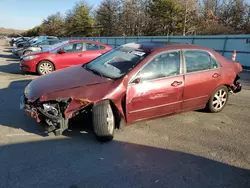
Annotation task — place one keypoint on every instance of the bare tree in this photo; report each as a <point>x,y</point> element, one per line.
<point>190,13</point>
<point>108,17</point>
<point>134,18</point>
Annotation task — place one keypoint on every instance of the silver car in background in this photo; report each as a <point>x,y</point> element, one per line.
<point>39,46</point>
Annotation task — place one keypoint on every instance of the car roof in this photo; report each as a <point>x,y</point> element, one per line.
<point>153,46</point>
<point>91,41</point>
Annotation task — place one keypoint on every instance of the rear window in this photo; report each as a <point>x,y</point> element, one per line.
<point>199,61</point>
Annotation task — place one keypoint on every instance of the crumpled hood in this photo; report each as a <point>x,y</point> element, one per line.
<point>68,78</point>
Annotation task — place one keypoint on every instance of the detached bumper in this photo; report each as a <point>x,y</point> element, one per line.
<point>237,87</point>
<point>29,111</point>
<point>54,124</point>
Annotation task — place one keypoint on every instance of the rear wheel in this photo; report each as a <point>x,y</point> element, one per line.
<point>27,52</point>
<point>218,100</point>
<point>103,121</point>
<point>45,67</point>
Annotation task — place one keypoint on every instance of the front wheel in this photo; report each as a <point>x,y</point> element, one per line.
<point>45,67</point>
<point>103,121</point>
<point>218,100</point>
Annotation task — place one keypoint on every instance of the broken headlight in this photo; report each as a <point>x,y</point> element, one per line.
<point>51,109</point>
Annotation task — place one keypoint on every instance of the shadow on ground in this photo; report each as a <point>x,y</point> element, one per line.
<point>245,79</point>
<point>12,116</point>
<point>78,160</point>
<point>12,68</point>
<point>7,50</point>
<point>8,56</point>
<point>81,162</point>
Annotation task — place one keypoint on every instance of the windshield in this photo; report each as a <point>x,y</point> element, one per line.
<point>38,42</point>
<point>55,46</point>
<point>117,62</point>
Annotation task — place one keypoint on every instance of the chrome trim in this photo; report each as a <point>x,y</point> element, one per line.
<point>201,71</point>
<point>144,109</point>
<point>161,115</point>
<point>156,79</point>
<point>158,54</point>
<point>168,104</point>
<point>195,98</point>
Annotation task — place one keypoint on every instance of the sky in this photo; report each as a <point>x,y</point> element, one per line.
<point>26,14</point>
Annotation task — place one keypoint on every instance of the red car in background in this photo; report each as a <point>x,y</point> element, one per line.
<point>133,82</point>
<point>62,55</point>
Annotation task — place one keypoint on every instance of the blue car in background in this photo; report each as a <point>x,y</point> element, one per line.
<point>37,46</point>
<point>33,40</point>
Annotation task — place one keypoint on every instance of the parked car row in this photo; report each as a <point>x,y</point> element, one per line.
<point>3,37</point>
<point>25,46</point>
<point>133,82</point>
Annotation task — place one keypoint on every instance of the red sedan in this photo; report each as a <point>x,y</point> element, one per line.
<point>62,55</point>
<point>133,82</point>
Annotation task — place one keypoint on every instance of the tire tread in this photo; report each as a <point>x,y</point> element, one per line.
<point>99,121</point>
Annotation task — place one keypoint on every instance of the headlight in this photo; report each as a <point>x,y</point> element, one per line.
<point>29,57</point>
<point>27,90</point>
<point>50,109</point>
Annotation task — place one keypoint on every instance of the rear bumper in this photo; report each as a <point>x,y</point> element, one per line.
<point>236,87</point>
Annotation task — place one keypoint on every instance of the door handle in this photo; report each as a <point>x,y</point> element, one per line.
<point>176,83</point>
<point>216,75</point>
<point>80,55</point>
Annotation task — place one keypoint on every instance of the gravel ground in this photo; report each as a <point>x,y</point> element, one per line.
<point>194,149</point>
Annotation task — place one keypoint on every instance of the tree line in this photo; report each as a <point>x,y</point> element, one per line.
<point>148,18</point>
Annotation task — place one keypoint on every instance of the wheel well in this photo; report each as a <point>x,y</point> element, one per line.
<point>26,51</point>
<point>228,87</point>
<point>45,60</point>
<point>118,116</point>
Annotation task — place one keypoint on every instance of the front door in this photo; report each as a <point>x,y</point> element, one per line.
<point>157,89</point>
<point>203,76</point>
<point>71,57</point>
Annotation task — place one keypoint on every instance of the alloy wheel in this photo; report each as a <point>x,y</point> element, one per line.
<point>46,68</point>
<point>219,100</point>
<point>110,120</point>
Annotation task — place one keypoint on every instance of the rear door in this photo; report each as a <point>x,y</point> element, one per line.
<point>202,77</point>
<point>91,51</point>
<point>71,57</point>
<point>157,89</point>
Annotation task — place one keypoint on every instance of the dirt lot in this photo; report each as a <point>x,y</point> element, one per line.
<point>193,149</point>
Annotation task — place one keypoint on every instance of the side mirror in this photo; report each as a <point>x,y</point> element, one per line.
<point>136,81</point>
<point>61,51</point>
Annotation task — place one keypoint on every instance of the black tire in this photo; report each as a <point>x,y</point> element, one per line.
<point>27,52</point>
<point>39,67</point>
<point>211,105</point>
<point>103,130</point>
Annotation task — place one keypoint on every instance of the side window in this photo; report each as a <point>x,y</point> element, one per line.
<point>73,47</point>
<point>164,65</point>
<point>214,63</point>
<point>53,42</point>
<point>68,48</point>
<point>198,61</point>
<point>78,47</point>
<point>91,46</point>
<point>45,43</point>
<point>102,47</point>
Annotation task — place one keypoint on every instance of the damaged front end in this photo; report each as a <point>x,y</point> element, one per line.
<point>55,114</point>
